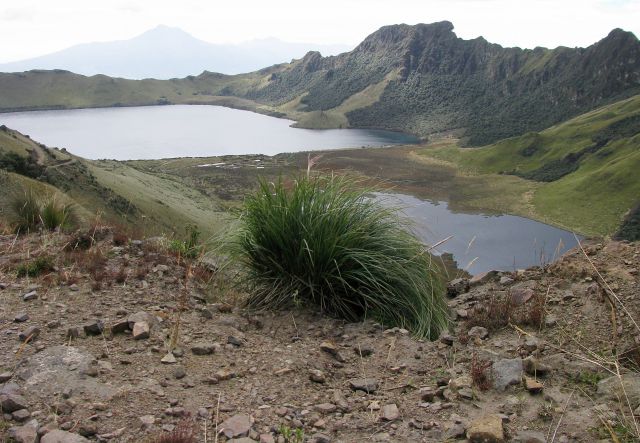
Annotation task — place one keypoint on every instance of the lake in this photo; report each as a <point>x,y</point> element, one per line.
<point>483,242</point>
<point>153,132</point>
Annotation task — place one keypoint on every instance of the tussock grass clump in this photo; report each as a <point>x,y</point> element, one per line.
<point>25,210</point>
<point>325,243</point>
<point>56,214</point>
<point>30,211</point>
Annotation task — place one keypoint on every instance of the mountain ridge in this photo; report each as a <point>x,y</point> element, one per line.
<point>421,79</point>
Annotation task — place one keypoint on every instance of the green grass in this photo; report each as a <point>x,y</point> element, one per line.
<point>35,267</point>
<point>593,195</point>
<point>323,242</point>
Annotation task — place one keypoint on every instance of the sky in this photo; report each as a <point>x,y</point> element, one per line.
<point>30,28</point>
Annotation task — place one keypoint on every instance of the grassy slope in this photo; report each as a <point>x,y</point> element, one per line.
<point>112,189</point>
<point>594,198</point>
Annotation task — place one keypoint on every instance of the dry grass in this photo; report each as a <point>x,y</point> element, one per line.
<point>480,373</point>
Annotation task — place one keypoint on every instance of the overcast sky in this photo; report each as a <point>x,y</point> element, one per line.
<point>34,27</point>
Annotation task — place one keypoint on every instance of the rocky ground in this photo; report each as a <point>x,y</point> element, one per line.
<point>85,355</point>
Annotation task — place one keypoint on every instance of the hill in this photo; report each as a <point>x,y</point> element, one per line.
<point>587,166</point>
<point>110,190</point>
<point>421,79</point>
<point>166,52</point>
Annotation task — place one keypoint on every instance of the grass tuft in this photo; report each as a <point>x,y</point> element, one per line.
<point>323,242</point>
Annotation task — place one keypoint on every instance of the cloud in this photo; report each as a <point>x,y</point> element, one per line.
<point>17,15</point>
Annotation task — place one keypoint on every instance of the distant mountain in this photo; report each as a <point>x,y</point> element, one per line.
<point>421,79</point>
<point>165,52</point>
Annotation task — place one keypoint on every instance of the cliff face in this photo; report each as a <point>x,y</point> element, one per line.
<point>447,83</point>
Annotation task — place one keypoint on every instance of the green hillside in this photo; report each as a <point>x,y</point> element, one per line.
<point>589,166</point>
<point>112,190</point>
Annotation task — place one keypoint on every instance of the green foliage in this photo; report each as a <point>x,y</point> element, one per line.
<point>588,378</point>
<point>325,243</point>
<point>191,247</point>
<point>19,164</point>
<point>35,267</point>
<point>291,435</point>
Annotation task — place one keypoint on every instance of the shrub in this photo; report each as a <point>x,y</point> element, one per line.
<point>35,267</point>
<point>325,243</point>
<point>189,248</point>
<point>481,373</point>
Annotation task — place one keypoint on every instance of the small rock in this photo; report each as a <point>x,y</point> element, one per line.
<point>53,324</point>
<point>332,349</point>
<point>203,348</point>
<point>5,377</point>
<point>147,421</point>
<point>30,334</point>
<point>21,317</point>
<point>611,388</point>
<point>487,429</point>
<point>506,281</point>
<point>368,385</point>
<point>320,438</point>
<point>24,434</point>
<point>237,426</point>
<point>455,432</point>
<point>535,367</point>
<point>168,359</point>
<point>427,394</point>
<point>550,320</point>
<point>363,350</point>
<point>20,415</point>
<point>520,296</point>
<point>32,295</point>
<point>317,376</point>
<point>73,332</point>
<point>530,437</point>
<point>141,330</point>
<point>507,372</point>
<point>326,408</point>
<point>532,385</point>
<point>179,372</point>
<point>94,328</point>
<point>267,438</point>
<point>58,436</point>
<point>479,332</point>
<point>390,412</point>
<point>120,327</point>
<point>457,287</point>
<point>225,374</point>
<point>142,316</point>
<point>235,341</point>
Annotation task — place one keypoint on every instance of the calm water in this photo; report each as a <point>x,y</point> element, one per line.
<point>153,132</point>
<point>484,242</point>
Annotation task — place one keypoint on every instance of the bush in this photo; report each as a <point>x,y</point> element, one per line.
<point>324,243</point>
<point>35,268</point>
<point>30,211</point>
<point>189,248</point>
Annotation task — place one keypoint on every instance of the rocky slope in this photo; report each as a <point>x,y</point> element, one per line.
<point>85,355</point>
